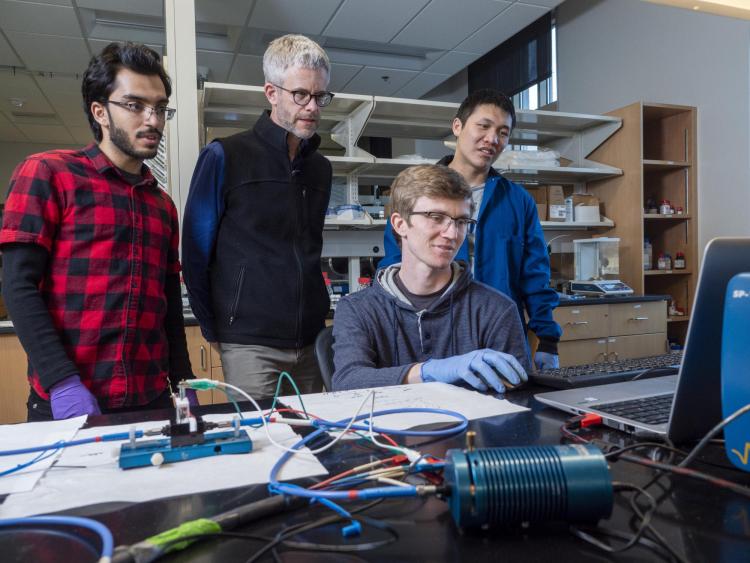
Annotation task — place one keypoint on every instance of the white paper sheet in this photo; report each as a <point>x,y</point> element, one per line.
<point>343,404</point>
<point>16,436</point>
<point>89,474</point>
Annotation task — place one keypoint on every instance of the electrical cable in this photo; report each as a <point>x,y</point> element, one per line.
<point>635,538</point>
<point>97,527</point>
<point>711,433</point>
<point>281,537</point>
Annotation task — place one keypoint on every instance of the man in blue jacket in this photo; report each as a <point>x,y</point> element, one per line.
<point>508,250</point>
<point>425,319</point>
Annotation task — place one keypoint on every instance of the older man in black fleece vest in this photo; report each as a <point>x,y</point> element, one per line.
<point>253,229</point>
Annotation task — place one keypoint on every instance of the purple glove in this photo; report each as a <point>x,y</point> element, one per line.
<point>192,398</point>
<point>70,398</point>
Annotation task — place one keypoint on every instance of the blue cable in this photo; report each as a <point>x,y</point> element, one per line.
<point>276,487</point>
<point>422,433</point>
<point>62,444</point>
<point>97,527</point>
<point>40,457</point>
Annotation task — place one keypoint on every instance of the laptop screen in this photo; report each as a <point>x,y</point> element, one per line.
<point>697,405</point>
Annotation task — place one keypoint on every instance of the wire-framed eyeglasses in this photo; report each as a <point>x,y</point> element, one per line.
<point>443,221</point>
<point>302,97</point>
<point>163,113</point>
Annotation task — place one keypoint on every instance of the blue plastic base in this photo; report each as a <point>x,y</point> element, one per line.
<point>157,452</point>
<point>735,383</point>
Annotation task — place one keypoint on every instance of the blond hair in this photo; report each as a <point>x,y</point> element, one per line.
<point>428,180</point>
<point>292,51</point>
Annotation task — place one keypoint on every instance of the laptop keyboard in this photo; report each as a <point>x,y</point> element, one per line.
<point>649,410</point>
<point>609,372</point>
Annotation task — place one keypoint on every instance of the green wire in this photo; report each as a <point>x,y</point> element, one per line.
<point>284,375</point>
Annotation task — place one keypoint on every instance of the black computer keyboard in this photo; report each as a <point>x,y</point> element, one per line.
<point>649,410</point>
<point>609,372</point>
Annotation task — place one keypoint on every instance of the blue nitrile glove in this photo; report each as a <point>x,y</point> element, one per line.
<point>192,398</point>
<point>70,398</point>
<point>480,369</point>
<point>545,360</point>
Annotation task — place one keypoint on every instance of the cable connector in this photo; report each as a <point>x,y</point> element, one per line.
<point>200,384</point>
<point>591,420</point>
<point>411,455</point>
<point>353,529</point>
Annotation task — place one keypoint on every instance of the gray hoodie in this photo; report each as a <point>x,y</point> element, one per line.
<point>378,334</point>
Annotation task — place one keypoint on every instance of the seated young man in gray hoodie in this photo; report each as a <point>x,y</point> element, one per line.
<point>426,319</point>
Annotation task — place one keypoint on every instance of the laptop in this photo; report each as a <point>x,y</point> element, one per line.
<point>690,401</point>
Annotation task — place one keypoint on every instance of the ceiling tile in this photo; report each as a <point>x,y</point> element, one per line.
<point>46,133</point>
<point>137,7</point>
<point>502,27</point>
<point>370,81</point>
<point>217,63</point>
<point>544,3</point>
<point>355,19</point>
<point>437,26</point>
<point>53,2</point>
<point>421,84</point>
<point>247,69</point>
<point>60,54</point>
<point>69,108</point>
<point>302,16</point>
<point>9,132</point>
<point>97,45</point>
<point>54,84</point>
<point>341,75</point>
<point>21,86</point>
<point>81,135</point>
<point>227,12</point>
<point>7,56</point>
<point>42,18</point>
<point>452,62</point>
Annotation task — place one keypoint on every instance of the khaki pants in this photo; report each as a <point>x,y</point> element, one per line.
<point>256,369</point>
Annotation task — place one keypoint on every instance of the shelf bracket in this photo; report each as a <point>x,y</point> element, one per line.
<point>581,145</point>
<point>347,132</point>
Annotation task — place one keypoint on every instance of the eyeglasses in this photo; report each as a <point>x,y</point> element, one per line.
<point>163,113</point>
<point>443,221</point>
<point>302,97</point>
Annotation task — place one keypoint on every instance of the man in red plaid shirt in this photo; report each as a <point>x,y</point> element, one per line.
<point>90,253</point>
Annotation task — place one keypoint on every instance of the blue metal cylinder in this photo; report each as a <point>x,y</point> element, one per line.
<point>514,485</point>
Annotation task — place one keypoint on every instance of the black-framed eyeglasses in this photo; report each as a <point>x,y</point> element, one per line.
<point>443,221</point>
<point>163,113</point>
<point>302,97</point>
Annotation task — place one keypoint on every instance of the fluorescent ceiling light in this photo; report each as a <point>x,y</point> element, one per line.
<point>730,8</point>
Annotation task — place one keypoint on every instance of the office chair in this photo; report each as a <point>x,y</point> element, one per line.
<point>324,355</point>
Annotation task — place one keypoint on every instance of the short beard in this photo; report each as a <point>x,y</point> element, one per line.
<point>119,138</point>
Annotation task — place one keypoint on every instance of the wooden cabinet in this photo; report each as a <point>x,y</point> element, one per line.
<point>657,151</point>
<point>14,385</point>
<point>206,361</point>
<point>610,332</point>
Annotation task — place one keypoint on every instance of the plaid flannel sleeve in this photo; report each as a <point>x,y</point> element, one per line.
<point>32,208</point>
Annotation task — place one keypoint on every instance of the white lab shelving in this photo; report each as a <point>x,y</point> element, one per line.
<point>227,108</point>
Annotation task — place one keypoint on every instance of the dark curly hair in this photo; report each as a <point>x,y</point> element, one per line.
<point>486,96</point>
<point>99,78</point>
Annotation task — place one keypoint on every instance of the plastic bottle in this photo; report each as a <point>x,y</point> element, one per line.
<point>665,208</point>
<point>569,212</point>
<point>648,255</point>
